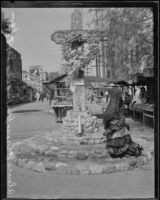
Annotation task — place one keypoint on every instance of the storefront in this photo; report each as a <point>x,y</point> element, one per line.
<point>144,106</point>
<point>19,92</point>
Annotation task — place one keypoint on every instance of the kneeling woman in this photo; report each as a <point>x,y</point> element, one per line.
<point>119,143</point>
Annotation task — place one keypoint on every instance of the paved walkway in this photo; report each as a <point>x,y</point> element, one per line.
<point>131,184</point>
<point>32,119</point>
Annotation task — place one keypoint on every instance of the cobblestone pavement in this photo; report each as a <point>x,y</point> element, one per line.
<point>61,151</point>
<point>37,178</point>
<point>31,119</point>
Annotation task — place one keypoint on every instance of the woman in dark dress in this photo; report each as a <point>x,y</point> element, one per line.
<point>119,143</point>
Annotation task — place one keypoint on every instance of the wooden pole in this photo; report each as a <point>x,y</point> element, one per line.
<point>103,59</point>
<point>97,72</point>
<point>97,27</point>
<point>79,125</point>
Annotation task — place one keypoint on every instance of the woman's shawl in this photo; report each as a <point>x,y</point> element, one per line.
<point>113,109</point>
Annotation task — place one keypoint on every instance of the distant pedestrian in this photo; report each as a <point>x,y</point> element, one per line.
<point>51,97</point>
<point>37,96</point>
<point>143,95</point>
<point>47,96</point>
<point>91,96</point>
<point>136,99</point>
<point>127,100</point>
<point>41,97</point>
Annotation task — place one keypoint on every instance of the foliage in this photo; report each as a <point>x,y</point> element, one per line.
<point>78,51</point>
<point>5,25</point>
<point>130,36</point>
<point>6,30</point>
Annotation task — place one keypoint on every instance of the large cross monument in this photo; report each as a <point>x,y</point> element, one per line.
<point>62,37</point>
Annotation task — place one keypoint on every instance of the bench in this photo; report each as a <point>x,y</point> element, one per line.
<point>148,112</point>
<point>137,108</point>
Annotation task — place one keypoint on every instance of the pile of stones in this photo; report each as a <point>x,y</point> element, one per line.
<point>88,122</point>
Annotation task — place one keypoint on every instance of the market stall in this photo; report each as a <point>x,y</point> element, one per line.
<point>61,98</point>
<point>62,101</point>
<point>144,105</point>
<point>99,89</point>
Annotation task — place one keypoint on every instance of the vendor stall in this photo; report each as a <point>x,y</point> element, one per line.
<point>146,111</point>
<point>145,106</point>
<point>61,98</point>
<point>62,101</point>
<point>99,89</point>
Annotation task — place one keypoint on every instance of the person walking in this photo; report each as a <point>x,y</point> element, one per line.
<point>91,96</point>
<point>42,96</point>
<point>51,97</point>
<point>37,96</point>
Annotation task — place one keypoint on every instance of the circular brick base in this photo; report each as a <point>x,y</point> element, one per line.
<point>81,168</point>
<point>71,155</point>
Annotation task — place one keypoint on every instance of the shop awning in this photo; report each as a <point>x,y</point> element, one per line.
<point>13,79</point>
<point>59,78</point>
<point>123,82</point>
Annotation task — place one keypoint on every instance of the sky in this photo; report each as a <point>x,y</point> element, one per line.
<point>33,37</point>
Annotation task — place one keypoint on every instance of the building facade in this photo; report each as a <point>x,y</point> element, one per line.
<point>14,62</point>
<point>25,76</point>
<point>35,83</point>
<point>18,90</point>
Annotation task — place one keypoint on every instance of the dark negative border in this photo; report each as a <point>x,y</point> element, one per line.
<point>85,4</point>
<point>3,117</point>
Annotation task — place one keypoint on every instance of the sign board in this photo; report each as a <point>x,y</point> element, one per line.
<point>35,73</point>
<point>78,81</point>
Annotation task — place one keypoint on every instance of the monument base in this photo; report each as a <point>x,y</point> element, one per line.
<point>80,122</point>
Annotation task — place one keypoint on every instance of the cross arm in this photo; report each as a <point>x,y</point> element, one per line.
<point>63,36</point>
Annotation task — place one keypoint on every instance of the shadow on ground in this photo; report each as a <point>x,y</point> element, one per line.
<point>25,111</point>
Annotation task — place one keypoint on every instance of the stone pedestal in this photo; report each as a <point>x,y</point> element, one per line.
<point>79,120</point>
<point>88,122</point>
<point>79,98</point>
<point>79,101</point>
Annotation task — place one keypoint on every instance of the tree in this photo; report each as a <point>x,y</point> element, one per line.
<point>6,30</point>
<point>77,52</point>
<point>130,37</point>
<point>5,25</point>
